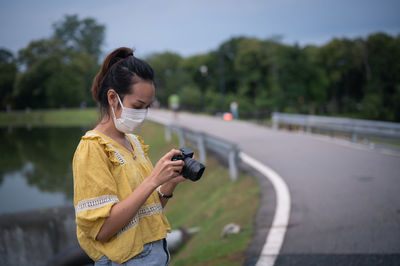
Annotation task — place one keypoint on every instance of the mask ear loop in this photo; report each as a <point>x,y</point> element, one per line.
<point>119,99</point>
<point>112,108</point>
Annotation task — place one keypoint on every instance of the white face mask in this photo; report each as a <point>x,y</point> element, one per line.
<point>130,120</point>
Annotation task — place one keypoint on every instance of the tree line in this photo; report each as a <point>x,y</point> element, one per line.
<point>344,77</point>
<point>53,72</point>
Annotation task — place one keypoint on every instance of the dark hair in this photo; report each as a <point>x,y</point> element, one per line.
<point>119,71</point>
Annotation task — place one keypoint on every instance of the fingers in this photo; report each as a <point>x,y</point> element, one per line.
<point>177,172</point>
<point>177,163</point>
<point>177,166</point>
<point>171,154</point>
<point>166,169</point>
<point>174,166</point>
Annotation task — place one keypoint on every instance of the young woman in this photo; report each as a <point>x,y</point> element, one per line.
<point>118,196</point>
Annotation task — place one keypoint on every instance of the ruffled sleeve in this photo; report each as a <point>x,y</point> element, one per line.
<point>144,147</point>
<point>106,146</point>
<point>95,190</point>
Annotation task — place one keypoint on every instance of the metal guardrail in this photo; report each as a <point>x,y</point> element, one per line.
<point>354,127</point>
<point>205,142</point>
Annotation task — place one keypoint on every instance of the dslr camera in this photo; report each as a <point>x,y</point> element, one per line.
<point>192,169</point>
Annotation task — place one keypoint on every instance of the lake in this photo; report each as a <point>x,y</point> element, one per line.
<point>36,167</point>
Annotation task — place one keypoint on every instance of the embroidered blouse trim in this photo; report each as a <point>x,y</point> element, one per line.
<point>95,203</point>
<point>143,212</point>
<point>135,139</point>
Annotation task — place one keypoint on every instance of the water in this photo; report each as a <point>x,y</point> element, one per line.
<point>36,167</point>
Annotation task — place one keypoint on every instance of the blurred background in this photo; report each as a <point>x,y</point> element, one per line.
<point>249,58</point>
<point>210,53</point>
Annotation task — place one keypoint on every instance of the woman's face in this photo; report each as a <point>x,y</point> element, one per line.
<point>141,97</point>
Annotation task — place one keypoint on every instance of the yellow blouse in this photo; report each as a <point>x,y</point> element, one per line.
<point>105,173</point>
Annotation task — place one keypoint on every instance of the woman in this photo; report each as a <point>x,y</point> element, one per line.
<point>118,195</point>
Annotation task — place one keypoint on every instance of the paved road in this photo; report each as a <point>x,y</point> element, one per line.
<point>345,197</point>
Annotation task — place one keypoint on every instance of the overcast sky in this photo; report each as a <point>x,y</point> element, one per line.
<point>192,27</point>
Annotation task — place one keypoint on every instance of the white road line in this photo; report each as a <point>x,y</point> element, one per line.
<point>280,222</point>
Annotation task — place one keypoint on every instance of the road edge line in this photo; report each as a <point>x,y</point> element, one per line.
<point>276,235</point>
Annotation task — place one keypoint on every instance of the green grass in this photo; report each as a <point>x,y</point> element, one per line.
<point>386,142</point>
<point>209,204</point>
<point>54,117</point>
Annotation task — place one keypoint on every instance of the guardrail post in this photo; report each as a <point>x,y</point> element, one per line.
<point>354,137</point>
<point>168,133</point>
<point>181,137</point>
<point>201,148</point>
<point>233,164</point>
<point>275,121</point>
<point>308,125</point>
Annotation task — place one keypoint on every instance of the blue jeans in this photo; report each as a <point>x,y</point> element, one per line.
<point>155,253</point>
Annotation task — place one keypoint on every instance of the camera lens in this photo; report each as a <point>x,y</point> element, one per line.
<point>192,169</point>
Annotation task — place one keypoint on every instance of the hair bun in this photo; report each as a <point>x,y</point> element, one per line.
<point>114,57</point>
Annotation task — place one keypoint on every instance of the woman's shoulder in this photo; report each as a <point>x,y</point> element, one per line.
<point>94,144</point>
<point>92,139</point>
<point>90,143</point>
<point>93,135</point>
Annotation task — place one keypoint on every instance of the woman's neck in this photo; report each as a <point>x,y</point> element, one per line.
<point>107,127</point>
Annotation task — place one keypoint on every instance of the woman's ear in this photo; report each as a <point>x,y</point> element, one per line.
<point>112,98</point>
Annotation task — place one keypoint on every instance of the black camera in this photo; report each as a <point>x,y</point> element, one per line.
<point>192,169</point>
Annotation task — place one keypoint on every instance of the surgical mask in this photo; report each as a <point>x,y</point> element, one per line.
<point>130,120</point>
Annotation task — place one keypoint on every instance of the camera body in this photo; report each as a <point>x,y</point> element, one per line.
<point>192,169</point>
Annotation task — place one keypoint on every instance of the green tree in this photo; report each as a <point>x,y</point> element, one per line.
<point>251,68</point>
<point>199,76</point>
<point>80,35</point>
<point>341,60</point>
<point>8,72</point>
<point>257,70</point>
<point>302,81</point>
<point>191,98</point>
<point>58,71</point>
<point>381,59</point>
<point>345,76</point>
<point>168,74</point>
<point>40,60</point>
<point>54,77</point>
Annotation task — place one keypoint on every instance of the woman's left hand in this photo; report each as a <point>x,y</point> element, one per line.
<point>178,179</point>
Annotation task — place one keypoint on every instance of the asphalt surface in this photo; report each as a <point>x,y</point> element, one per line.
<point>345,197</point>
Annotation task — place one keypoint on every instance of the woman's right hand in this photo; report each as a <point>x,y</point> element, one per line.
<point>165,169</point>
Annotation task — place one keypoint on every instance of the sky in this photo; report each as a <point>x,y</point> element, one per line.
<point>194,27</point>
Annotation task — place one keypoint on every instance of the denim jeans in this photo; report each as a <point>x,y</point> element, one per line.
<point>155,253</point>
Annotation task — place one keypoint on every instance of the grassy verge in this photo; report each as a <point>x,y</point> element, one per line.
<point>386,142</point>
<point>209,204</point>
<point>56,117</point>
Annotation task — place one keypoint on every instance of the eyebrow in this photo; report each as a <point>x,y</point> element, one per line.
<point>142,102</point>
